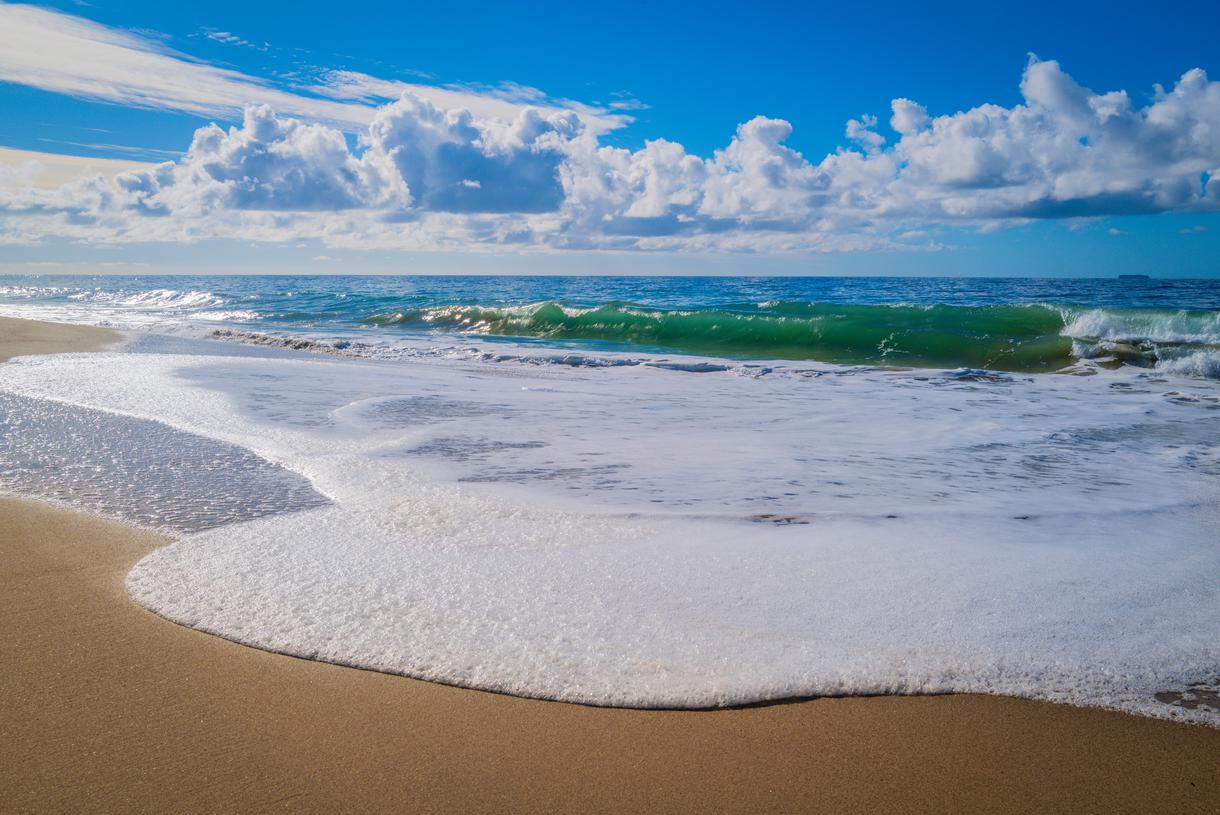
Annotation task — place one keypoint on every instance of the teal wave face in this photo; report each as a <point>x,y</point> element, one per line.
<point>1014,338</point>
<point>1026,338</point>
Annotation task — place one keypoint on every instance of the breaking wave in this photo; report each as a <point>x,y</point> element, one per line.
<point>156,298</point>
<point>1001,337</point>
<point>1004,325</point>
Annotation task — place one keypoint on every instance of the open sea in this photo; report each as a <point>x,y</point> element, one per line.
<point>659,492</point>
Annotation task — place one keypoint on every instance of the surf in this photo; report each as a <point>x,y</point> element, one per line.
<point>1019,338</point>
<point>1024,326</point>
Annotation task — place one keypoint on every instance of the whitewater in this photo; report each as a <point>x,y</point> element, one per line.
<point>631,522</point>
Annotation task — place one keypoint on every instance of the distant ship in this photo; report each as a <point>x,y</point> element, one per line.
<point>1133,277</point>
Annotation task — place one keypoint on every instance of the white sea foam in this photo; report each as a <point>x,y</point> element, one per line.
<point>224,315</point>
<point>1196,363</point>
<point>642,536</point>
<point>152,299</point>
<point>1182,342</point>
<point>1132,326</point>
<point>31,292</point>
<point>164,310</point>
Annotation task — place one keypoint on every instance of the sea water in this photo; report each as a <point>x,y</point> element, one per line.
<point>1005,324</point>
<point>688,499</point>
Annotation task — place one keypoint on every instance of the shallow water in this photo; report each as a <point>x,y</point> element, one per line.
<point>686,531</point>
<point>139,470</point>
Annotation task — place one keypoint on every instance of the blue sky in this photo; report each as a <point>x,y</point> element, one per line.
<point>689,74</point>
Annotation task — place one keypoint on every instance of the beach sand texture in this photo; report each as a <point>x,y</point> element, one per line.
<point>27,337</point>
<point>104,707</point>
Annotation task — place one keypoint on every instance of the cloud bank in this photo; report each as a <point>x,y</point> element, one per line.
<point>424,176</point>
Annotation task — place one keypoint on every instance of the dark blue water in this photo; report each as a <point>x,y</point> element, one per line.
<point>319,298</point>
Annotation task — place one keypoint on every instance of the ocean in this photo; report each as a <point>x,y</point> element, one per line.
<point>1003,324</point>
<point>658,492</point>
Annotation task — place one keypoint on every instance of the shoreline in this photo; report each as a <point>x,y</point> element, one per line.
<point>105,706</point>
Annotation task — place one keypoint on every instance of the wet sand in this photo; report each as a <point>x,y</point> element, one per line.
<point>25,337</point>
<point>105,707</point>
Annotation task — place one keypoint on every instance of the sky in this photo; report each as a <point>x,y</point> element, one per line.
<point>974,139</point>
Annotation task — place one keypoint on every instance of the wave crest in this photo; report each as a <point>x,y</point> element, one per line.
<point>153,299</point>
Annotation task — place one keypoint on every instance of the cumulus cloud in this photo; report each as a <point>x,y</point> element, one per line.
<point>425,176</point>
<point>909,117</point>
<point>268,163</point>
<point>452,161</point>
<point>1070,152</point>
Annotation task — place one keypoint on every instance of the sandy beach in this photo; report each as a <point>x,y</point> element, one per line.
<point>26,337</point>
<point>105,707</point>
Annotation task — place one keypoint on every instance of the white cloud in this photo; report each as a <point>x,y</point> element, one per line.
<point>861,132</point>
<point>229,38</point>
<point>501,102</point>
<point>24,169</point>
<point>453,161</point>
<point>65,54</point>
<point>422,176</point>
<point>269,163</point>
<point>909,117</point>
<point>1066,152</point>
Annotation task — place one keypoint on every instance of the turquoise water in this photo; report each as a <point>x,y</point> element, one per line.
<point>1002,324</point>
